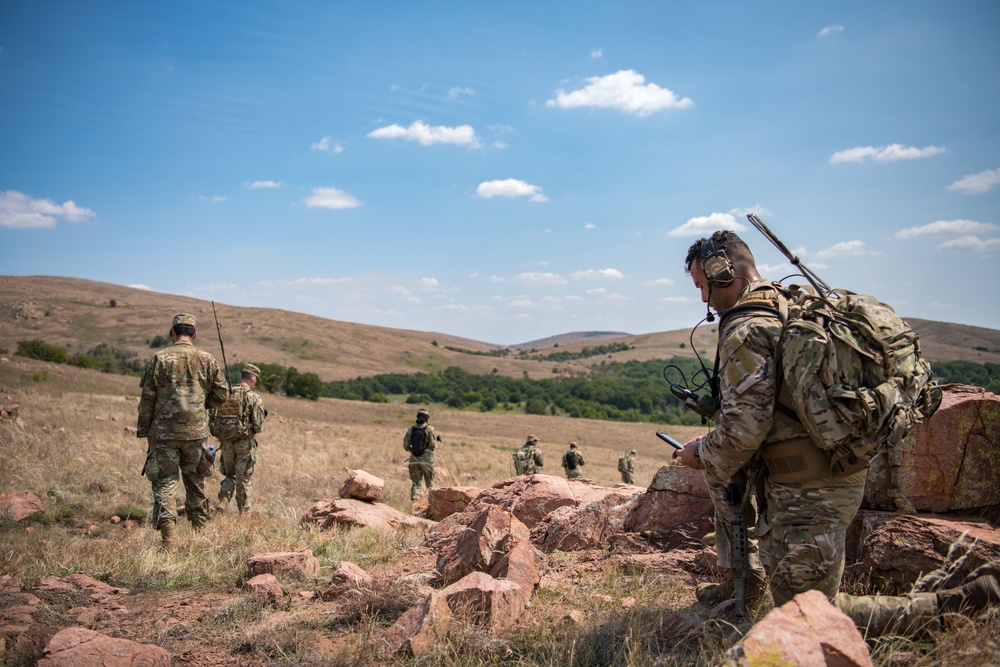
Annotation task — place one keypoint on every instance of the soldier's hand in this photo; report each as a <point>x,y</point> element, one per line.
<point>689,455</point>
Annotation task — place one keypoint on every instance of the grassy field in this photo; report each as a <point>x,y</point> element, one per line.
<point>73,452</point>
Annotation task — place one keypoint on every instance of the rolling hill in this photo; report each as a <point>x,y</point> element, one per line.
<point>77,314</point>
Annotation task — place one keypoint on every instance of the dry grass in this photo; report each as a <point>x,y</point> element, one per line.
<point>74,454</point>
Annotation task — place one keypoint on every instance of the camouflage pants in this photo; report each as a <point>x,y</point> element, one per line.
<point>177,460</point>
<point>421,472</point>
<point>573,473</point>
<point>236,463</point>
<point>724,530</point>
<point>802,536</point>
<point>627,477</point>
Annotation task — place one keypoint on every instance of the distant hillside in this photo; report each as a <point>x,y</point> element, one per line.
<point>76,314</point>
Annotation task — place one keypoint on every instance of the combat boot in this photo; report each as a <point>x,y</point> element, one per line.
<point>712,593</point>
<point>167,535</point>
<point>973,596</point>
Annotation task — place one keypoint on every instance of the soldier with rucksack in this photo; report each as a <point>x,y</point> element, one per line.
<point>572,462</point>
<point>236,423</point>
<point>781,429</point>
<point>528,459</point>
<point>420,441</point>
<point>626,466</point>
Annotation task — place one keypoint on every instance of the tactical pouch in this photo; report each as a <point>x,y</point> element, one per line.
<point>151,469</point>
<point>206,465</point>
<point>795,461</point>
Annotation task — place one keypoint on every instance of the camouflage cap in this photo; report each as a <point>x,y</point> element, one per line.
<point>183,318</point>
<point>572,445</point>
<point>632,452</point>
<point>423,412</point>
<point>532,438</point>
<point>250,369</point>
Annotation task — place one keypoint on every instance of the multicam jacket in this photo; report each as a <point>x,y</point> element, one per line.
<point>179,383</point>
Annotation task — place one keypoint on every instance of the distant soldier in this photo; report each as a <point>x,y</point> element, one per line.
<point>236,433</point>
<point>528,459</point>
<point>572,462</point>
<point>626,466</point>
<point>420,442</point>
<point>178,384</point>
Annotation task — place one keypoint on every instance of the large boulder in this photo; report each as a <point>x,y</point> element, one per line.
<point>528,497</point>
<point>678,495</point>
<point>807,631</point>
<point>586,526</point>
<point>521,565</point>
<point>266,588</point>
<point>362,486</point>
<point>898,548</point>
<point>353,512</point>
<point>447,500</point>
<point>480,545</point>
<point>480,599</point>
<point>79,647</point>
<point>419,628</point>
<point>347,577</point>
<point>951,462</point>
<point>21,504</point>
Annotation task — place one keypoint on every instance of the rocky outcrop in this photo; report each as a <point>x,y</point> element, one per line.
<point>352,512</point>
<point>478,546</point>
<point>588,525</point>
<point>949,463</point>
<point>420,627</point>
<point>480,599</point>
<point>447,500</point>
<point>300,563</point>
<point>807,631</point>
<point>79,647</point>
<point>677,495</point>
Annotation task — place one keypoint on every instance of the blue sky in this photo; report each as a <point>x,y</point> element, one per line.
<point>501,171</point>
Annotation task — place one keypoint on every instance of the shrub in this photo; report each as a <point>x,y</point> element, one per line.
<point>36,349</point>
<point>535,406</point>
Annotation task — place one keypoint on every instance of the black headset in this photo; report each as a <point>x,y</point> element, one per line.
<point>716,265</point>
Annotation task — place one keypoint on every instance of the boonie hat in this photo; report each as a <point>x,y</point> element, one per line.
<point>422,412</point>
<point>572,445</point>
<point>632,452</point>
<point>532,438</point>
<point>183,318</point>
<point>250,369</point>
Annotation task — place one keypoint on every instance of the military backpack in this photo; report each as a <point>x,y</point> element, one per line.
<point>621,464</point>
<point>228,421</point>
<point>851,369</point>
<point>570,460</point>
<point>418,440</point>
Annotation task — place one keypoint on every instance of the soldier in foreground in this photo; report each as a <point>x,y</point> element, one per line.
<point>420,441</point>
<point>528,459</point>
<point>572,462</point>
<point>626,466</point>
<point>178,384</point>
<point>802,532</point>
<point>238,453</point>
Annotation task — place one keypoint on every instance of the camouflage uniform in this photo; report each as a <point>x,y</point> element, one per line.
<point>421,468</point>
<point>238,457</point>
<point>801,527</point>
<point>529,457</point>
<point>573,462</point>
<point>627,468</point>
<point>179,382</point>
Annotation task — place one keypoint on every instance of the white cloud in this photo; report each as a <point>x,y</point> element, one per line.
<point>260,185</point>
<point>756,209</point>
<point>458,90</point>
<point>974,184</point>
<point>501,145</point>
<point>510,187</point>
<point>426,135</point>
<point>830,29</point>
<point>625,90</point>
<point>330,198</point>
<point>215,199</point>
<point>589,226</point>
<point>597,54</point>
<point>21,211</point>
<point>598,274</point>
<point>316,281</point>
<point>327,144</point>
<point>946,227</point>
<point>971,243</point>
<point>531,278</point>
<point>659,281</point>
<point>404,293</point>
<point>889,153</point>
<point>846,249</point>
<point>676,299</point>
<point>706,224</point>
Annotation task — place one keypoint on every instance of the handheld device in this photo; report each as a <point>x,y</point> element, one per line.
<point>670,441</point>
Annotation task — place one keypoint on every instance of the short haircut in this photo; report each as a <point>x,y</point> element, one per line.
<point>184,329</point>
<point>735,248</point>
<point>246,376</point>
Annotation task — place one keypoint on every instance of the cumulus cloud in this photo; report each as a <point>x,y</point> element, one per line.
<point>427,135</point>
<point>531,278</point>
<point>963,227</point>
<point>261,185</point>
<point>706,224</point>
<point>846,249</point>
<point>510,187</point>
<point>889,153</point>
<point>830,30</point>
<point>971,243</point>
<point>330,198</point>
<point>21,211</point>
<point>975,184</point>
<point>756,209</point>
<point>598,274</point>
<point>625,90</point>
<point>328,145</point>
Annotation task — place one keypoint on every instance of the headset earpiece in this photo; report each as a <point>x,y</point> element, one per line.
<point>717,267</point>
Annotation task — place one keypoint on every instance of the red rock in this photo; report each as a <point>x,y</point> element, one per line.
<point>79,647</point>
<point>21,504</point>
<point>349,511</point>
<point>678,495</point>
<point>950,462</point>
<point>447,500</point>
<point>586,526</point>
<point>419,628</point>
<point>362,486</point>
<point>347,577</point>
<point>480,546</point>
<point>480,599</point>
<point>300,562</point>
<point>521,565</point>
<point>265,587</point>
<point>807,631</point>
